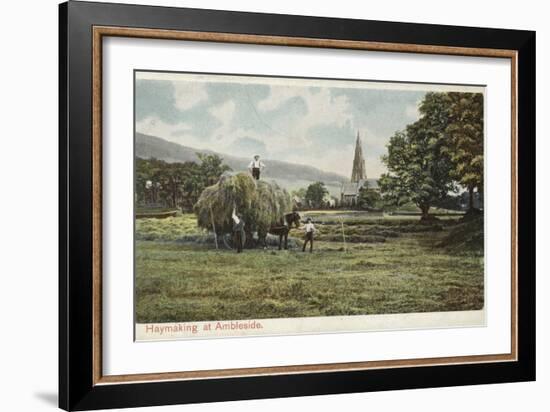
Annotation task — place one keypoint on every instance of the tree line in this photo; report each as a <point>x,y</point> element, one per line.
<point>176,185</point>
<point>438,154</point>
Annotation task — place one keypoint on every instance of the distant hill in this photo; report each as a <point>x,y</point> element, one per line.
<point>289,175</point>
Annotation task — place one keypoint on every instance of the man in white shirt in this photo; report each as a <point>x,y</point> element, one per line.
<point>256,166</point>
<point>310,230</point>
<point>238,230</point>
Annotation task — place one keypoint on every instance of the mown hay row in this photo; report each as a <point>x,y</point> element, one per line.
<point>352,238</point>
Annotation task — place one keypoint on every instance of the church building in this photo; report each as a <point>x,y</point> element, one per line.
<point>350,191</point>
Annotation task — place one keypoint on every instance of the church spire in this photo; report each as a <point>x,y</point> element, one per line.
<point>358,172</point>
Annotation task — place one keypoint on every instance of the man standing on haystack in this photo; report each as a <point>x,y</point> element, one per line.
<point>238,231</point>
<point>256,166</point>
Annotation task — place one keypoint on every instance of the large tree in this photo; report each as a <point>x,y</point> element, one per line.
<point>315,193</point>
<point>465,140</point>
<point>419,167</point>
<point>212,167</point>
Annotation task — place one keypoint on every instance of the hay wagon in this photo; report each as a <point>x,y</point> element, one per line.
<point>260,203</point>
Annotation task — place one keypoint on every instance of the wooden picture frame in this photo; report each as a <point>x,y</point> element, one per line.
<point>83,26</point>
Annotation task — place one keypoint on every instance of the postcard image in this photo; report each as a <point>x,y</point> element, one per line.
<point>270,205</point>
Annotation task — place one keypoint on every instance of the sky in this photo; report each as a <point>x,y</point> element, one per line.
<point>306,121</point>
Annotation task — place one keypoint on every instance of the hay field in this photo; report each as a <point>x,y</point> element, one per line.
<point>386,265</point>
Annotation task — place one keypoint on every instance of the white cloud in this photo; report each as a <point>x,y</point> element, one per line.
<point>277,96</point>
<point>188,94</point>
<point>322,110</point>
<point>411,111</point>
<point>224,112</point>
<point>322,107</point>
<point>325,109</point>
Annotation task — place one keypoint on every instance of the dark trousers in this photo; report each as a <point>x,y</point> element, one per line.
<point>238,240</point>
<point>309,238</point>
<point>256,173</point>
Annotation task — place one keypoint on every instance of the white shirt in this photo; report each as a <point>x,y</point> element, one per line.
<point>235,217</point>
<point>309,227</point>
<point>256,164</point>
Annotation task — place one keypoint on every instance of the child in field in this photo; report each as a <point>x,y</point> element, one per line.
<point>310,230</point>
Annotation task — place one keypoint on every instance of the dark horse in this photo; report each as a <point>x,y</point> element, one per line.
<point>282,228</point>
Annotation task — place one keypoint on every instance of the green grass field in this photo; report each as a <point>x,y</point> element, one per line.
<point>386,265</point>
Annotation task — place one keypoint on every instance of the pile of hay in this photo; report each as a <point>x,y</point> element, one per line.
<point>260,203</point>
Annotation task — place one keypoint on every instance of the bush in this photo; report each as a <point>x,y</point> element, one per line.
<point>466,236</point>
